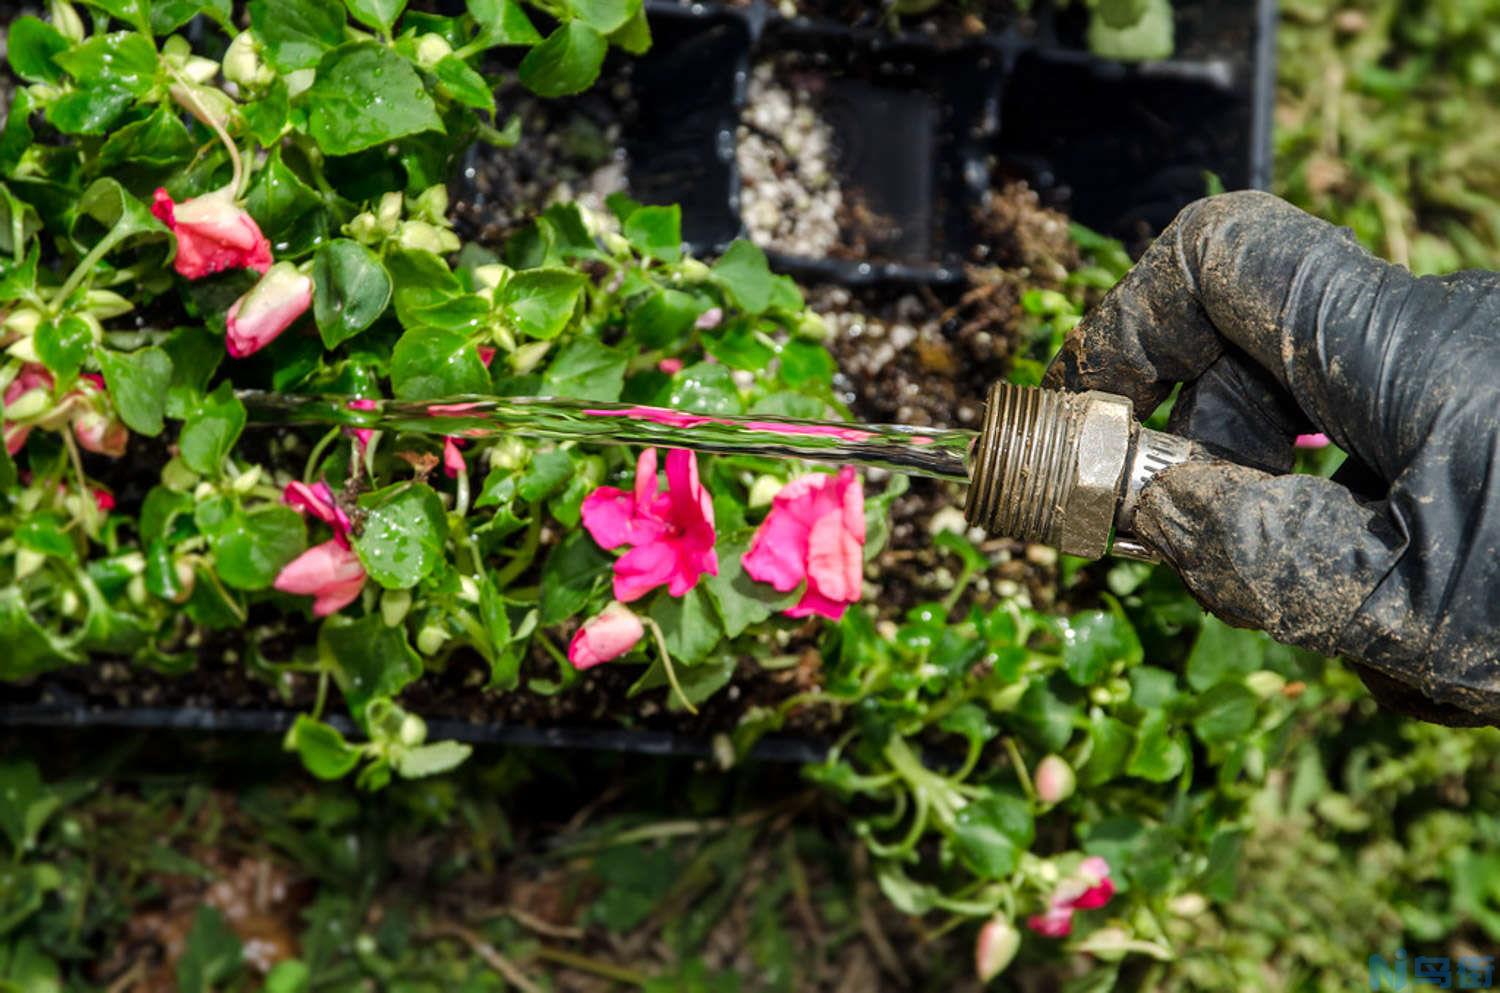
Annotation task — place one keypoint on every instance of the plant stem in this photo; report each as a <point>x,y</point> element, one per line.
<point>1022,773</point>
<point>666,664</point>
<point>310,470</point>
<point>525,553</point>
<point>583,963</point>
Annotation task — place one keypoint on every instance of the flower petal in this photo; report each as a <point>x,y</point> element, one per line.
<point>643,569</point>
<point>615,631</point>
<point>330,572</point>
<point>835,560</point>
<point>778,552</point>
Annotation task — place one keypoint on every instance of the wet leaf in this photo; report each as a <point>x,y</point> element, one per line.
<point>350,290</point>
<point>366,95</point>
<point>567,62</point>
<point>404,533</point>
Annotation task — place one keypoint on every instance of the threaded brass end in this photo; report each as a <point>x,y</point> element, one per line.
<point>1022,467</point>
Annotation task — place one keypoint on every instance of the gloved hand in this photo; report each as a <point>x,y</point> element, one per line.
<point>1279,324</point>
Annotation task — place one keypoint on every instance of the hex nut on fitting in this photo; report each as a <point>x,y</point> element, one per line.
<point>1104,436</point>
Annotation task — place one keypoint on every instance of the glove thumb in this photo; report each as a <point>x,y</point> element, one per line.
<point>1294,556</point>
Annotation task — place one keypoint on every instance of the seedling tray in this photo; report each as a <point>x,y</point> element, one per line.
<point>924,127</point>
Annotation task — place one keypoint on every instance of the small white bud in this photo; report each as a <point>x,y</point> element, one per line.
<point>529,356</point>
<point>430,639</point>
<point>432,49</point>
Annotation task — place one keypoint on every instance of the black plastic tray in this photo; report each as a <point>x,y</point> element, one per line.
<point>926,128</point>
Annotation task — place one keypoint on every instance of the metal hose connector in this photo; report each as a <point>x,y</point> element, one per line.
<point>1064,469</point>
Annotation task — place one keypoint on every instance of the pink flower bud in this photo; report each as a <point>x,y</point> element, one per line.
<point>213,234</point>
<point>995,948</point>
<point>605,637</point>
<point>670,366</point>
<point>1312,441</point>
<point>1054,780</point>
<point>269,308</point>
<point>101,434</point>
<point>330,572</point>
<point>709,319</point>
<point>453,459</point>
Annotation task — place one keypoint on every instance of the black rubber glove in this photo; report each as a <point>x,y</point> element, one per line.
<point>1279,324</point>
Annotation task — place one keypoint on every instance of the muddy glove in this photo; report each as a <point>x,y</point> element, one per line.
<point>1279,324</point>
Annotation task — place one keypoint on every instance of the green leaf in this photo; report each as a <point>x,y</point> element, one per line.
<point>137,383</point>
<point>132,12</point>
<point>664,318</point>
<point>169,15</point>
<point>90,110</point>
<point>569,576</point>
<point>17,278</point>
<point>1110,746</point>
<point>213,954</point>
<point>656,231</point>
<point>502,22</point>
<point>746,277</point>
<point>379,14</point>
<point>738,347</point>
<point>288,976</point>
<point>989,834</point>
<point>804,363</point>
<point>705,388</point>
<point>296,33</point>
<point>30,46</point>
<point>160,141</point>
<point>604,15</point>
<point>25,803</point>
<point>367,95</point>
<point>567,62</point>
<point>1158,755</point>
<point>404,534</point>
<point>125,221</point>
<point>688,625</point>
<point>540,302</point>
<point>62,345</point>
<point>741,602</point>
<point>1093,641</point>
<point>323,750</point>
<point>545,475</point>
<point>1223,653</point>
<point>585,369</point>
<point>428,363</point>
<point>430,760</point>
<point>368,659</point>
<point>1225,713</point>
<point>463,84</point>
<point>290,213</point>
<point>634,36</point>
<point>267,117</point>
<point>350,290</point>
<point>29,649</point>
<point>251,547</point>
<point>211,430</point>
<point>123,61</point>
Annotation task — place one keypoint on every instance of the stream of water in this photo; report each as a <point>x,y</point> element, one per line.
<point>941,453</point>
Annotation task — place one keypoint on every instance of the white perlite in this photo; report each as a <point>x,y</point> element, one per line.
<point>791,197</point>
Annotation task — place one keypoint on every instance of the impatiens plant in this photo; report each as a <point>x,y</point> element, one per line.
<point>176,229</point>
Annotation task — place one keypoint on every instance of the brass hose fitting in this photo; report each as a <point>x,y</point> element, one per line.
<point>1065,469</point>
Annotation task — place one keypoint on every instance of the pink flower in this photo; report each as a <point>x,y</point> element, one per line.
<point>824,430</point>
<point>658,415</point>
<point>1312,441</point>
<point>318,500</point>
<point>605,637</point>
<point>453,459</point>
<point>267,309</point>
<point>455,409</point>
<point>672,532</point>
<point>815,533</point>
<point>486,354</point>
<point>100,433</point>
<point>709,319</point>
<point>1090,889</point>
<point>362,435</point>
<point>104,500</point>
<point>213,234</point>
<point>34,383</point>
<point>670,366</point>
<point>330,573</point>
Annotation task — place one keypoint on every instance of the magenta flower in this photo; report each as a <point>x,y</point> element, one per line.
<point>1312,441</point>
<point>362,436</point>
<point>1090,889</point>
<point>329,572</point>
<point>267,309</point>
<point>672,533</point>
<point>605,637</point>
<point>213,234</point>
<point>815,533</point>
<point>453,459</point>
<point>670,366</point>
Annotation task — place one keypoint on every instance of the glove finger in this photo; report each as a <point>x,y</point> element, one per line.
<point>1239,412</point>
<point>1295,556</point>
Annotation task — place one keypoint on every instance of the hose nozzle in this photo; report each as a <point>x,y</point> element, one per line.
<point>1065,469</point>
